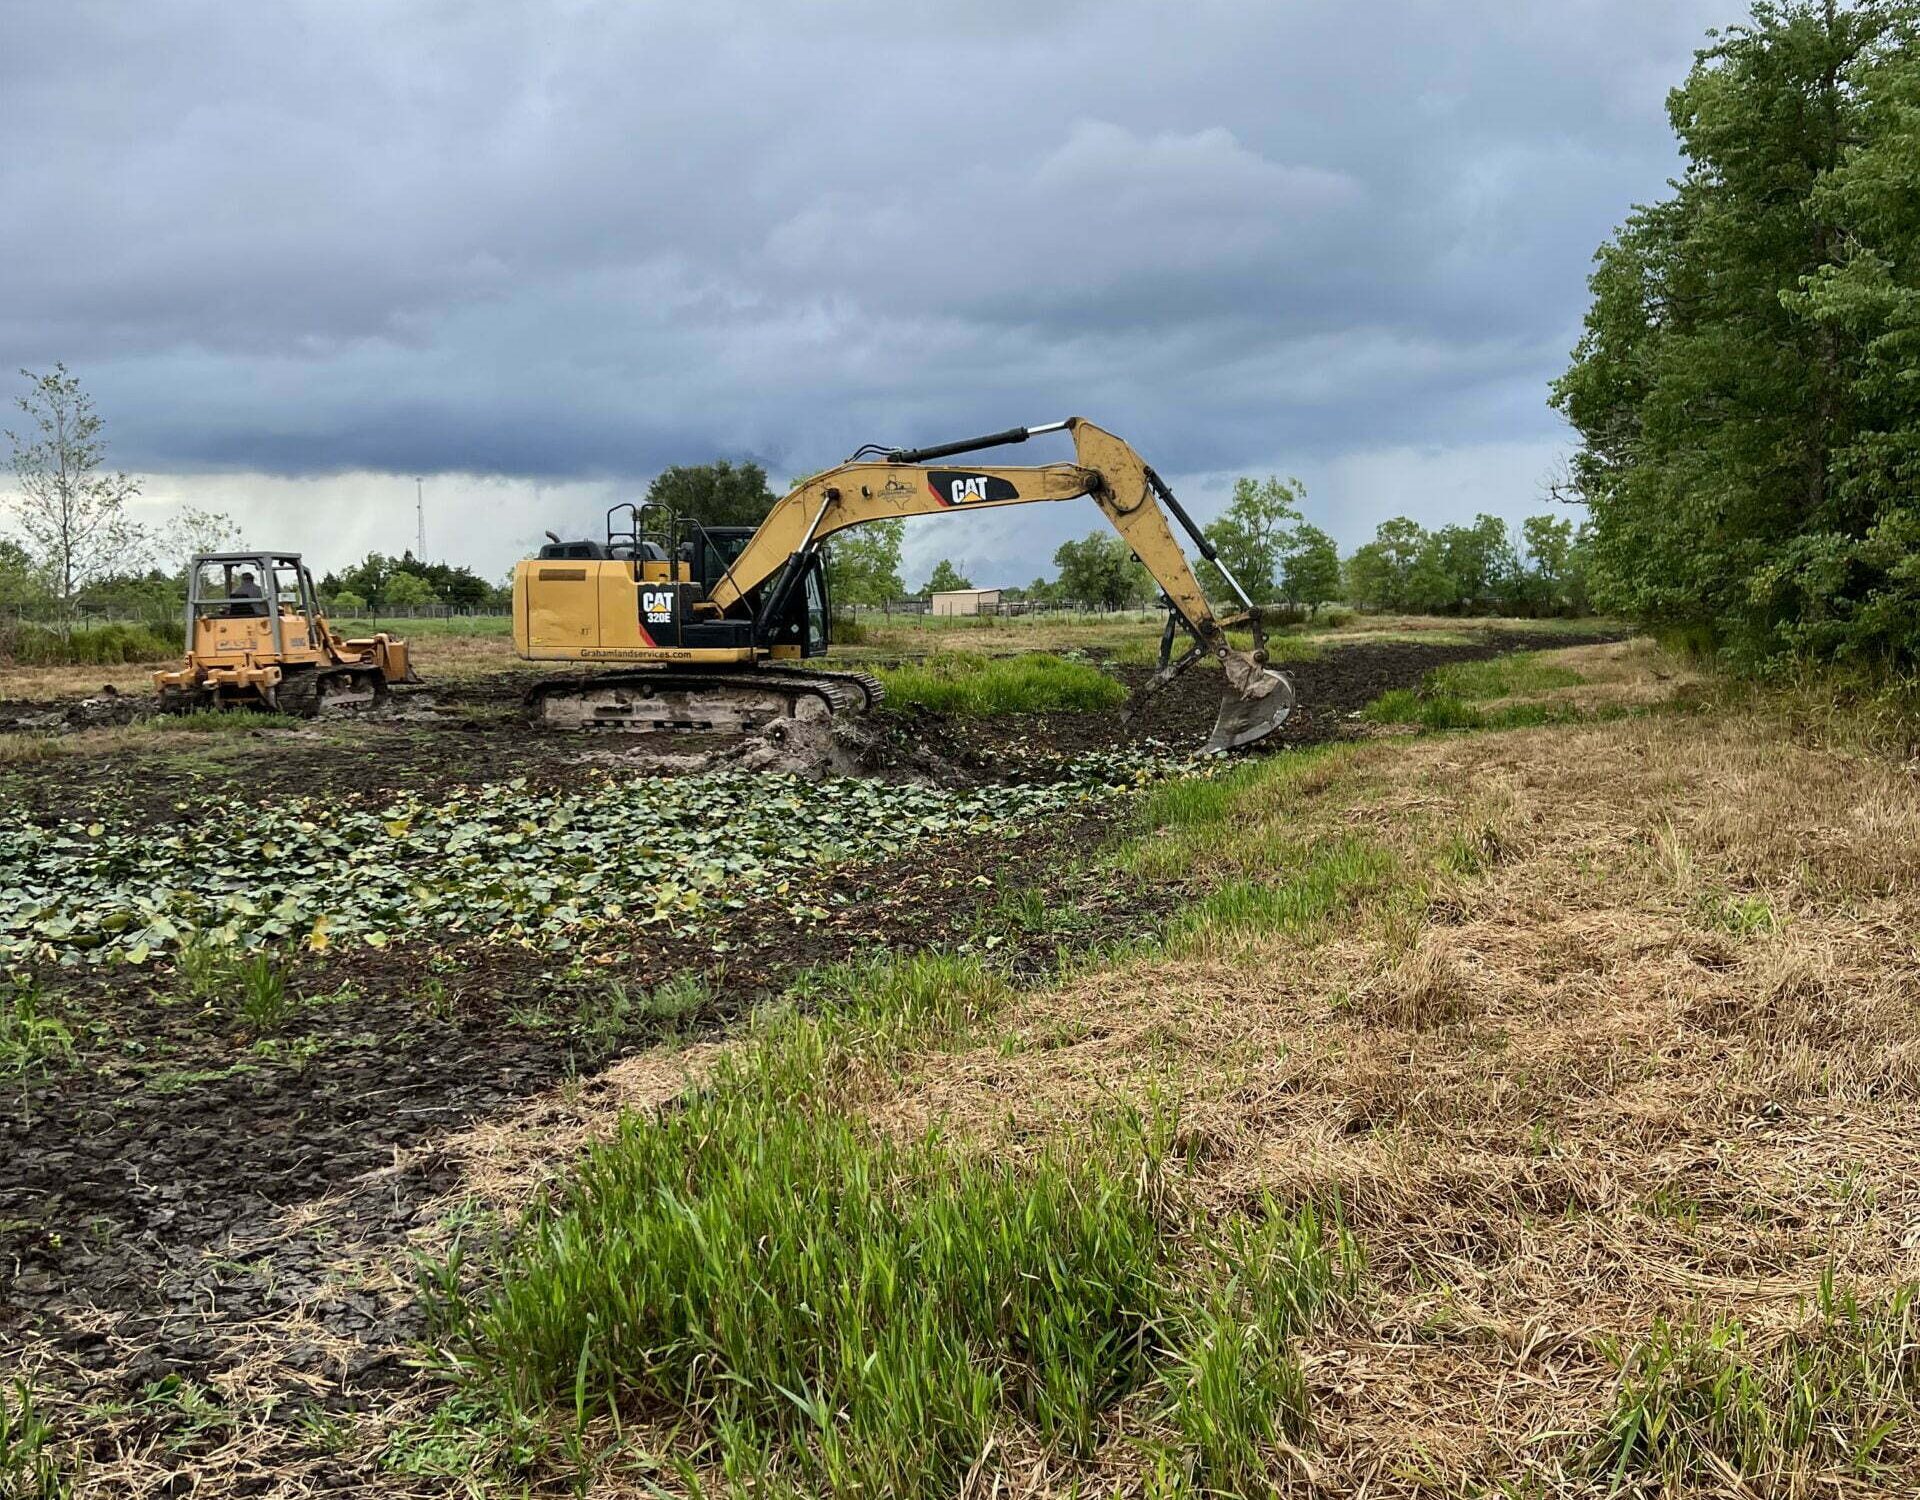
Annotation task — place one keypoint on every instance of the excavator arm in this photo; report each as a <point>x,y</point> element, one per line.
<point>877,486</point>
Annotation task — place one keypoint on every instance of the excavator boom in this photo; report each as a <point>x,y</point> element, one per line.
<point>914,482</point>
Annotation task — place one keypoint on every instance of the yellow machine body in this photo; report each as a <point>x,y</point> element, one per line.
<point>272,648</point>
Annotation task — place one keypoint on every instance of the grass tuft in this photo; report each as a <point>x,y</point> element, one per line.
<point>29,1041</point>
<point>963,682</point>
<point>819,1305</point>
<point>30,1467</point>
<point>1697,1401</point>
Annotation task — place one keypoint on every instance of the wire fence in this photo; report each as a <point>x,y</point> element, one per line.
<point>923,604</point>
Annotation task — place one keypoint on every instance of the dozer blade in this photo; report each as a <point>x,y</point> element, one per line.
<point>1256,702</point>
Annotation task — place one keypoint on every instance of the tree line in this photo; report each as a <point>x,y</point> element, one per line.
<point>1744,387</point>
<point>79,549</point>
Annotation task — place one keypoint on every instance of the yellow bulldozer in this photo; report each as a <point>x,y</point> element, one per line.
<point>256,638</point>
<point>711,625</point>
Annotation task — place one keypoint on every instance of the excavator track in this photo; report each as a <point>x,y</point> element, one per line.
<point>665,700</point>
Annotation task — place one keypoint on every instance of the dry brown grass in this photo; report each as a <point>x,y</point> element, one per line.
<point>1655,1053</point>
<point>55,684</point>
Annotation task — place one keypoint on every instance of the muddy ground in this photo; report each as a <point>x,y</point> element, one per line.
<point>184,1182</point>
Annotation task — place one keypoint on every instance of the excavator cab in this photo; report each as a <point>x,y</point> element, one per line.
<point>643,594</point>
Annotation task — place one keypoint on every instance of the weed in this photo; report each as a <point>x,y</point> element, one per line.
<point>1449,696</point>
<point>188,1408</point>
<point>203,968</point>
<point>91,645</point>
<point>264,1001</point>
<point>436,999</point>
<point>897,1002</point>
<point>1318,882</point>
<point>30,1467</point>
<point>1697,1402</point>
<point>1235,1385</point>
<point>252,985</point>
<point>605,1017</point>
<point>219,721</point>
<point>797,1284</point>
<point>1501,677</point>
<point>29,1041</point>
<point>962,682</point>
<point>821,1305</point>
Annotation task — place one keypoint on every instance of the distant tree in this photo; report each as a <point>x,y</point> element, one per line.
<point>73,516</point>
<point>192,531</point>
<point>1310,571</point>
<point>407,590</point>
<point>946,577</point>
<point>20,581</point>
<point>372,579</point>
<point>1380,573</point>
<point>1431,587</point>
<point>715,494</point>
<point>1252,534</point>
<point>1098,569</point>
<point>1479,563</point>
<point>863,563</point>
<point>1548,581</point>
<point>347,602</point>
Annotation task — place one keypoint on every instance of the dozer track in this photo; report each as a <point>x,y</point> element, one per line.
<point>665,699</point>
<point>330,690</point>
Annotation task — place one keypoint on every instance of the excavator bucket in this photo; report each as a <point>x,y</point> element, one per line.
<point>1256,702</point>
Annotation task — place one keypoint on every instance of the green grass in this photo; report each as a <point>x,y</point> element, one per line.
<point>91,645</point>
<point>816,1305</point>
<point>1449,697</point>
<point>448,625</point>
<point>1306,888</point>
<point>1501,677</point>
<point>962,682</point>
<point>30,1466</point>
<point>1698,1401</point>
<point>218,721</point>
<point>29,1041</point>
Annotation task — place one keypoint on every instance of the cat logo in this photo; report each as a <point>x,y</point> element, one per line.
<point>958,487</point>
<point>657,606</point>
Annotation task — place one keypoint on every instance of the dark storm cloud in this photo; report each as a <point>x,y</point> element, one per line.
<point>578,239</point>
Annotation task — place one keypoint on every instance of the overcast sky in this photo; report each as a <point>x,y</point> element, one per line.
<point>303,252</point>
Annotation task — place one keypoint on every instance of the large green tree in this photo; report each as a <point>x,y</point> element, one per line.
<point>1743,386</point>
<point>715,494</point>
<point>1310,571</point>
<point>863,563</point>
<point>1380,572</point>
<point>1099,569</point>
<point>946,578</point>
<point>1253,535</point>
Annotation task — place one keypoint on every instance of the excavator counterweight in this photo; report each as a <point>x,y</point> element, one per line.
<point>667,598</point>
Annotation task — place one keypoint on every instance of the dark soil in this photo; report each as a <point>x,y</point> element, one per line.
<point>1329,692</point>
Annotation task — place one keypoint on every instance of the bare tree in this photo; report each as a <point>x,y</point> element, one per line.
<point>192,531</point>
<point>73,516</point>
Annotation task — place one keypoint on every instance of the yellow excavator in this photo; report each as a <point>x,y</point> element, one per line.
<point>713,623</point>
